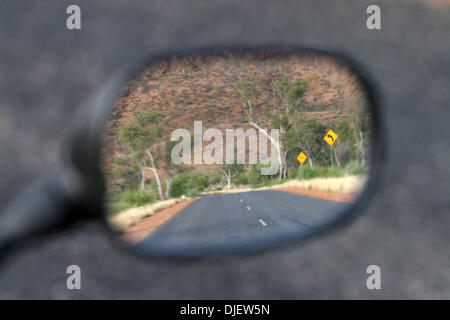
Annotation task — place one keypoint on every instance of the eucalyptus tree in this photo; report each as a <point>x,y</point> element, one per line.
<point>141,135</point>
<point>358,112</point>
<point>306,134</point>
<point>283,99</point>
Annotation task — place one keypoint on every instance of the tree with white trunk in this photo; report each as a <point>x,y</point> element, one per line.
<point>141,135</point>
<point>283,99</point>
<point>230,170</point>
<point>359,116</point>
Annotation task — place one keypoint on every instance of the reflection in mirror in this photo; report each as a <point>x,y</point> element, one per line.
<point>230,152</point>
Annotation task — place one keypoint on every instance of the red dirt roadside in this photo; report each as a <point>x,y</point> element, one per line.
<point>147,225</point>
<point>325,195</point>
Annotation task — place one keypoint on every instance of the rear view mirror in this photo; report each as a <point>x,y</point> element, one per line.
<point>234,151</point>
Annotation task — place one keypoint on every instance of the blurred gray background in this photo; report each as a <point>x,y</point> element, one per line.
<point>46,71</point>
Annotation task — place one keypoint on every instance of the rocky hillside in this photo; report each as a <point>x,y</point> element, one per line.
<point>186,89</point>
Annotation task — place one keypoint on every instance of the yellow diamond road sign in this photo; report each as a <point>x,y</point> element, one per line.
<point>302,157</point>
<point>330,137</point>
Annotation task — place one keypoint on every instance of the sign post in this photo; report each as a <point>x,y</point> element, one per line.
<point>330,138</point>
<point>332,163</point>
<point>302,158</point>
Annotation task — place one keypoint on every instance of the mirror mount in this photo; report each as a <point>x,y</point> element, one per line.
<point>76,191</point>
<point>46,206</point>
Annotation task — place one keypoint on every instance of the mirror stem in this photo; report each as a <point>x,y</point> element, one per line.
<point>43,207</point>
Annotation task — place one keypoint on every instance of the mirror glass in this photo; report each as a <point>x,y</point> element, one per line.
<point>235,151</point>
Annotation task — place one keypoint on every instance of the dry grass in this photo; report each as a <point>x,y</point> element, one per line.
<point>125,219</point>
<point>235,190</point>
<point>347,184</point>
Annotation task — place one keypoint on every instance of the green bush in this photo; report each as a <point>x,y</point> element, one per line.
<point>179,185</point>
<point>189,184</point>
<point>130,176</point>
<point>355,168</point>
<point>320,172</point>
<point>241,178</point>
<point>198,181</point>
<point>139,198</point>
<point>121,160</point>
<point>292,171</point>
<point>216,177</point>
<point>192,193</point>
<point>255,179</point>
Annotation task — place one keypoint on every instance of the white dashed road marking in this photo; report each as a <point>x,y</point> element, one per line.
<point>241,201</point>
<point>262,222</point>
<point>248,208</point>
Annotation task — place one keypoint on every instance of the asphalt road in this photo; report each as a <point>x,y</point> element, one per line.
<point>240,222</point>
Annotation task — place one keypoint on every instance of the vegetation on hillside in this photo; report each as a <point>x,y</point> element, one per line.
<point>142,172</point>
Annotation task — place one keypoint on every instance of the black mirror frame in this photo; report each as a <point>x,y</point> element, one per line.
<point>84,153</point>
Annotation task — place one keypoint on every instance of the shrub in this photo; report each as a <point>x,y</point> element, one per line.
<point>355,168</point>
<point>192,193</point>
<point>189,184</point>
<point>254,177</point>
<point>128,176</point>
<point>199,181</point>
<point>241,178</point>
<point>292,172</point>
<point>121,160</point>
<point>139,198</point>
<point>179,185</point>
<point>320,172</point>
<point>216,177</point>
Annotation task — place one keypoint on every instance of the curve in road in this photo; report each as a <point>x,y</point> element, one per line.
<point>239,222</point>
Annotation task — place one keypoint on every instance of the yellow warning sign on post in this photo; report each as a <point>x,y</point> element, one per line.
<point>330,137</point>
<point>302,157</point>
